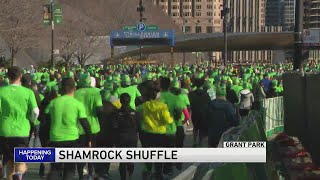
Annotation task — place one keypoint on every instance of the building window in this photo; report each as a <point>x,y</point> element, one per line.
<point>175,7</point>
<point>188,29</point>
<point>209,14</point>
<point>217,21</point>
<point>209,6</point>
<point>186,14</point>
<point>174,14</point>
<point>198,13</point>
<point>186,6</point>
<point>209,29</point>
<point>198,0</point>
<point>198,7</point>
<point>209,0</point>
<point>175,1</point>
<point>198,29</point>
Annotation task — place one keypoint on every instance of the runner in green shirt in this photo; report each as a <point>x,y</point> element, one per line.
<point>63,116</point>
<point>91,99</point>
<point>131,90</point>
<point>18,107</point>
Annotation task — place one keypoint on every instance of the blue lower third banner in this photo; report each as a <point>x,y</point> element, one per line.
<point>35,155</point>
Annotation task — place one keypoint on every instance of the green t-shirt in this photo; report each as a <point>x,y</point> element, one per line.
<point>237,89</point>
<point>132,91</point>
<point>185,99</point>
<point>65,113</point>
<point>181,102</point>
<point>175,102</point>
<point>51,84</point>
<point>91,99</point>
<point>169,99</point>
<point>16,105</point>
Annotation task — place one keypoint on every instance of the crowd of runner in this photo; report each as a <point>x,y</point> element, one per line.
<point>120,105</point>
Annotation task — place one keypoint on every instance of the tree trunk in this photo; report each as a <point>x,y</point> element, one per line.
<point>12,57</point>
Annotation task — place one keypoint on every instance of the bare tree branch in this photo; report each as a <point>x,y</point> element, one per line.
<point>19,24</point>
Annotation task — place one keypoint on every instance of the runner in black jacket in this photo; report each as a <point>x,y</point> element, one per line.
<point>125,128</point>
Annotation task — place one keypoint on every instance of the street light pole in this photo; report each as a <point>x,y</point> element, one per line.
<point>184,36</point>
<point>141,9</point>
<point>52,33</point>
<point>298,29</point>
<point>224,14</point>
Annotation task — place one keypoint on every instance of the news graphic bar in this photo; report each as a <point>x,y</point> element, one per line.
<point>34,155</point>
<point>140,155</point>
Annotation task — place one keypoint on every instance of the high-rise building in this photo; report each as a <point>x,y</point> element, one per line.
<point>280,13</point>
<point>248,16</point>
<point>204,16</point>
<point>312,14</point>
<point>198,16</point>
<point>195,16</point>
<point>312,21</point>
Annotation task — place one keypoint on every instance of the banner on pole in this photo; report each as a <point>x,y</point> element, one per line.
<point>46,14</point>
<point>57,13</point>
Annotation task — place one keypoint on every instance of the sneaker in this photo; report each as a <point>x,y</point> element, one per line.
<point>85,171</point>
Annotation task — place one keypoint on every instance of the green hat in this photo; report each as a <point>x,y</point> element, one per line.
<point>175,84</point>
<point>221,90</point>
<point>84,80</point>
<point>245,85</point>
<point>236,81</point>
<point>126,80</point>
<point>108,85</point>
<point>55,88</point>
<point>149,76</point>
<point>274,83</point>
<point>70,74</point>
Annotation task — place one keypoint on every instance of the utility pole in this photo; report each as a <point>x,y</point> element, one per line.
<point>298,40</point>
<point>224,15</point>
<point>141,10</point>
<point>52,32</point>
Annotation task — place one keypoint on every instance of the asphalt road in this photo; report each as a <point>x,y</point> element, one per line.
<point>33,168</point>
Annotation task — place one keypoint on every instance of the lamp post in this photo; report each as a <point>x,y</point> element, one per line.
<point>224,16</point>
<point>298,40</point>
<point>52,32</point>
<point>141,10</point>
<point>184,37</point>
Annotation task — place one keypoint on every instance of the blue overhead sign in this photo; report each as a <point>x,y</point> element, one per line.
<point>141,37</point>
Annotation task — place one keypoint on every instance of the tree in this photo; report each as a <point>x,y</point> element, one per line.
<point>19,25</point>
<point>86,47</point>
<point>67,42</point>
